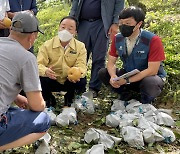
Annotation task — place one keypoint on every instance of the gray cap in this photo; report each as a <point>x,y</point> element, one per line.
<point>25,22</point>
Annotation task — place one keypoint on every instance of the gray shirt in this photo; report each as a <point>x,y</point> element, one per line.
<point>18,70</point>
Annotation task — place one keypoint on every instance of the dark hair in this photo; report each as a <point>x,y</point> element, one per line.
<point>70,17</point>
<point>133,11</point>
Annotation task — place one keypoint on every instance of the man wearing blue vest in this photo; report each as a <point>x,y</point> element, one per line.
<point>98,21</point>
<point>137,49</point>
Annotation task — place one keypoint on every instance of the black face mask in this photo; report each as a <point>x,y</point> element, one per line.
<point>126,30</point>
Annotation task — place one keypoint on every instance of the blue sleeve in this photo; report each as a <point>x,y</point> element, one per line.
<point>74,7</point>
<point>34,7</point>
<point>119,6</point>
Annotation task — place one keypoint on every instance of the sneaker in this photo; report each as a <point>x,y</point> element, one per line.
<point>43,148</point>
<point>94,92</point>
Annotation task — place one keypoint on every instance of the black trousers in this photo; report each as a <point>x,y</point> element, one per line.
<point>149,88</point>
<point>93,35</point>
<point>49,86</point>
<point>4,32</point>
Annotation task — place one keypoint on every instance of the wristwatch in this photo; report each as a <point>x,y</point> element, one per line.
<point>127,80</point>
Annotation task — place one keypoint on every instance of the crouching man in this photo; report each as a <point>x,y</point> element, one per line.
<point>137,49</point>
<point>18,67</point>
<point>56,57</point>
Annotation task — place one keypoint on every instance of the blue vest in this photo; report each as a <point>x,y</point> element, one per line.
<point>138,59</point>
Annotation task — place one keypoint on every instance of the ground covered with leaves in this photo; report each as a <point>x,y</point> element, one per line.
<point>69,140</point>
<point>163,19</point>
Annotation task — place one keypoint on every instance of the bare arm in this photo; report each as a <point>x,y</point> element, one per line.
<point>152,69</point>
<point>35,101</point>
<point>112,71</point>
<point>113,30</point>
<point>111,65</point>
<point>21,101</point>
<point>11,14</point>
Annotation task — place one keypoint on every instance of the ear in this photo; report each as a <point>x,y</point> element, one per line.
<point>28,37</point>
<point>31,37</point>
<point>75,33</point>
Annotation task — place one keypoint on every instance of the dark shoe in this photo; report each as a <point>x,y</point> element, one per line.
<point>94,92</point>
<point>146,99</point>
<point>125,96</point>
<point>51,102</point>
<point>36,144</point>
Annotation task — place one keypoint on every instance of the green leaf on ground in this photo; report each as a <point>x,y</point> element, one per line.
<point>178,124</point>
<point>74,146</point>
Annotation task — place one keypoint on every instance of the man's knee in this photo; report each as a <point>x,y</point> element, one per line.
<point>104,76</point>
<point>81,85</point>
<point>152,86</point>
<point>42,122</point>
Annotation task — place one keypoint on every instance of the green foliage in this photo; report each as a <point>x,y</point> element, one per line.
<point>49,16</point>
<point>168,28</point>
<point>163,18</point>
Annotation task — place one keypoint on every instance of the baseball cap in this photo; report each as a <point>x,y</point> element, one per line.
<point>25,22</point>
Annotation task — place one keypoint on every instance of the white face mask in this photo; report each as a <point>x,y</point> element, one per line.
<point>65,35</point>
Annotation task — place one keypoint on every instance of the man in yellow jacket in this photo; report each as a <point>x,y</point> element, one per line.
<point>55,57</point>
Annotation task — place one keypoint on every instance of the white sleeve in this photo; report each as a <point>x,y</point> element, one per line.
<point>7,5</point>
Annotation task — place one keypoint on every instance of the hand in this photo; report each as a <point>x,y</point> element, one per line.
<point>31,11</point>
<point>74,81</point>
<point>21,102</point>
<point>118,83</point>
<point>2,26</point>
<point>50,73</point>
<point>113,30</point>
<point>114,83</point>
<point>11,14</point>
<point>121,81</point>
